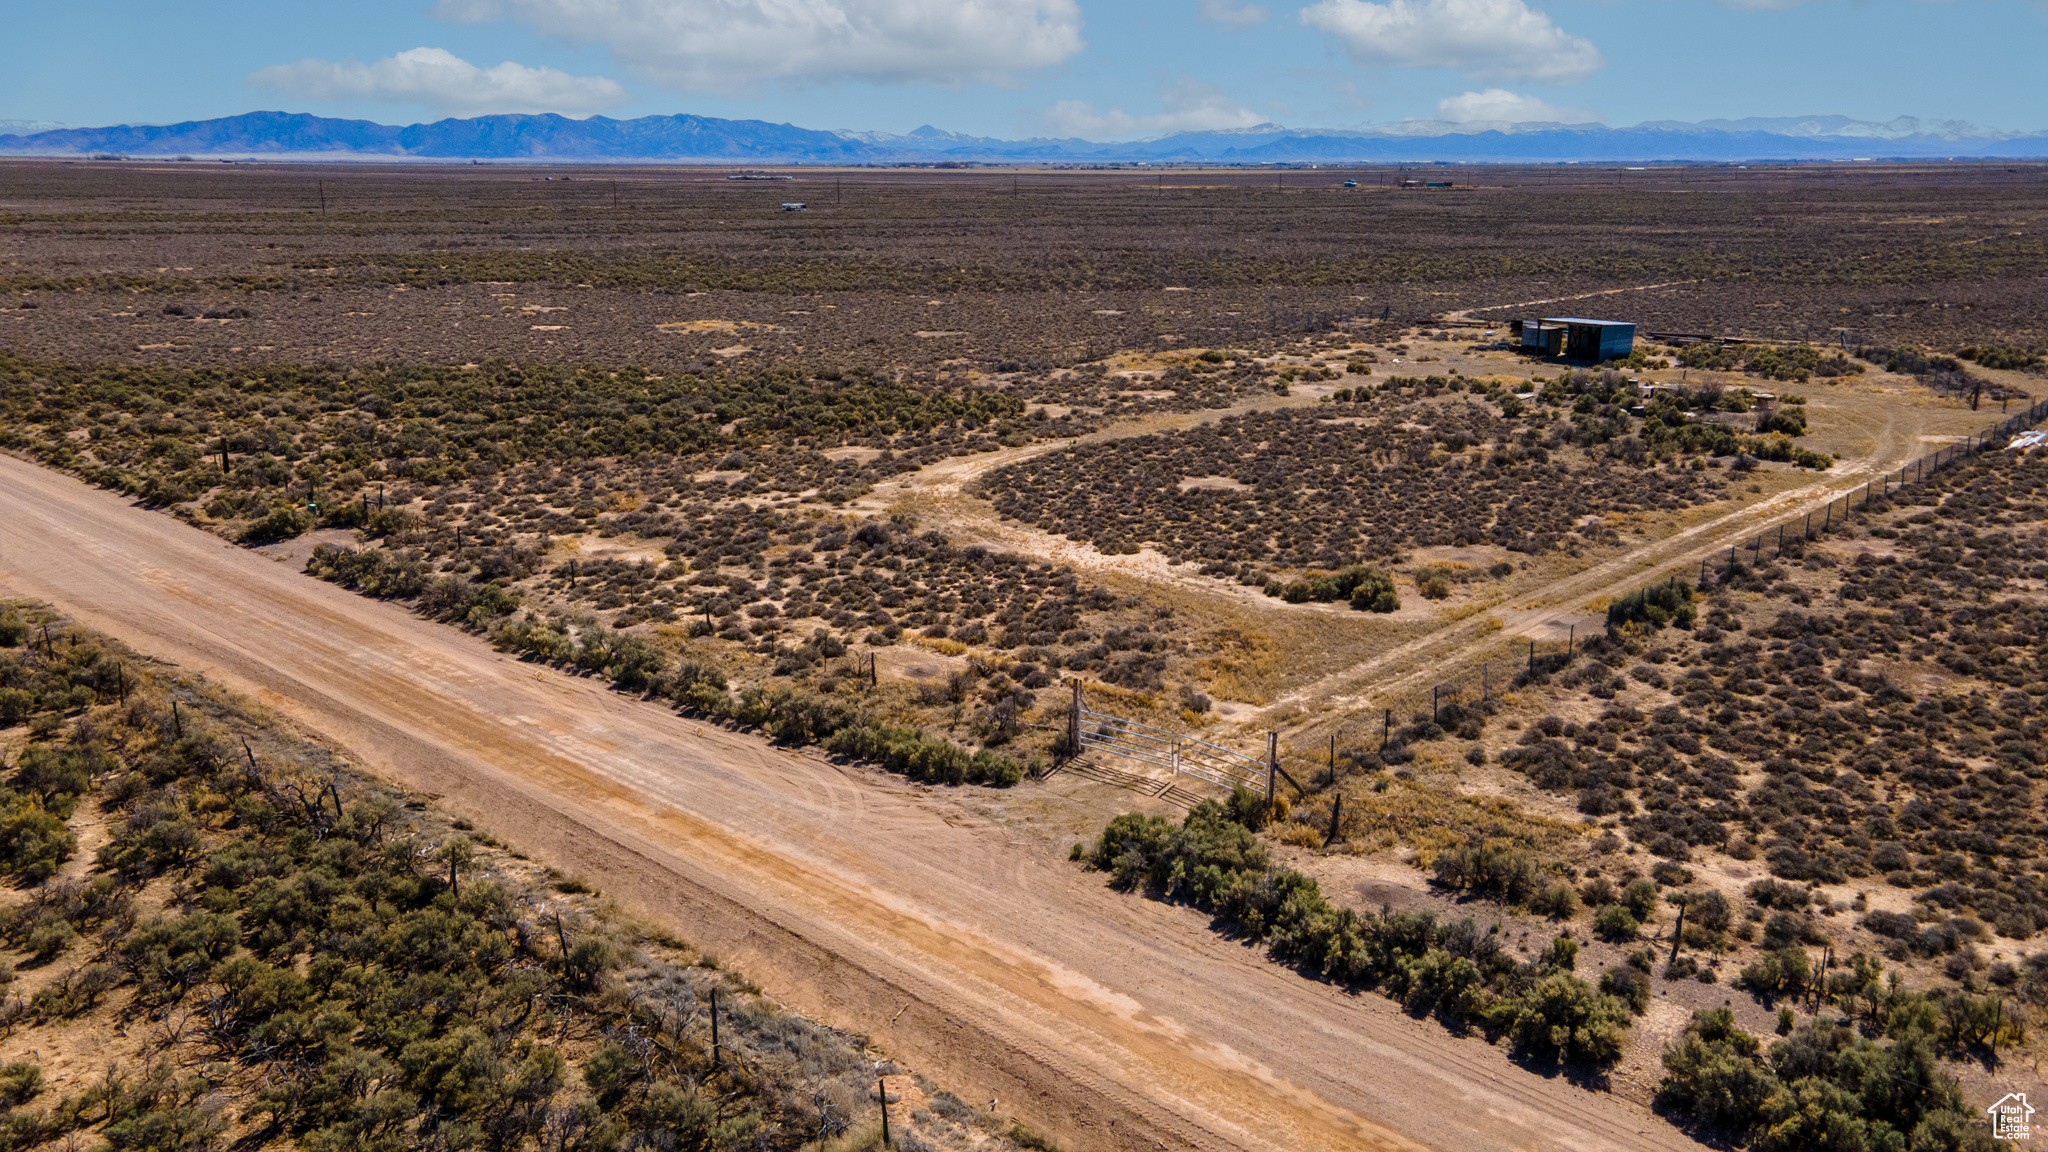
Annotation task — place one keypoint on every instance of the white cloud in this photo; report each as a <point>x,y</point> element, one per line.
<point>726,45</point>
<point>1486,39</point>
<point>1220,12</point>
<point>1500,106</point>
<point>444,82</point>
<point>1191,106</point>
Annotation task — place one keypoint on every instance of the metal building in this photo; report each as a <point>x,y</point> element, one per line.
<point>1593,340</point>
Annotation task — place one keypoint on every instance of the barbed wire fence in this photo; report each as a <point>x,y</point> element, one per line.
<point>1460,702</point>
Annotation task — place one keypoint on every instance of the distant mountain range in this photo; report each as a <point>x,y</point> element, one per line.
<point>683,139</point>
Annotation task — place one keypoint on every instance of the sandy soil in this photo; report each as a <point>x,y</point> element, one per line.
<point>945,924</point>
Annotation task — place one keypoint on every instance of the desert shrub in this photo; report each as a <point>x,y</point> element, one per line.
<point>282,522</point>
<point>2003,357</point>
<point>1713,1075</point>
<point>34,841</point>
<point>1707,916</point>
<point>1790,420</point>
<point>1499,870</point>
<point>372,571</point>
<point>1367,588</point>
<point>1822,1086</point>
<point>1377,487</point>
<point>1561,1018</point>
<point>1628,984</point>
<point>1558,902</point>
<point>1667,602</point>
<point>393,991</point>
<point>1215,862</point>
<point>1616,924</point>
<point>1375,593</point>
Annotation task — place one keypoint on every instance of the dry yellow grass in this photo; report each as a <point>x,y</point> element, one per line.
<point>1385,813</point>
<point>1245,667</point>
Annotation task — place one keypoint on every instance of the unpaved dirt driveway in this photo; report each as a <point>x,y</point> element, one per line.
<point>924,918</point>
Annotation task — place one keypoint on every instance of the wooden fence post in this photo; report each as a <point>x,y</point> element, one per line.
<point>1272,764</point>
<point>1074,719</point>
<point>882,1094</point>
<point>714,1028</point>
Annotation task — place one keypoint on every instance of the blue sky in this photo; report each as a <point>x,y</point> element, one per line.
<point>1031,67</point>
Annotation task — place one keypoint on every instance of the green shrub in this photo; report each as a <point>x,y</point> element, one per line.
<point>1375,593</point>
<point>2003,357</point>
<point>1666,602</point>
<point>1640,897</point>
<point>1784,972</point>
<point>1495,869</point>
<point>1712,1073</point>
<point>282,522</point>
<point>1616,924</point>
<point>19,1083</point>
<point>1216,863</point>
<point>1561,1018</point>
<point>34,842</point>
<point>1368,589</point>
<point>1558,902</point>
<point>1790,420</point>
<point>1628,984</point>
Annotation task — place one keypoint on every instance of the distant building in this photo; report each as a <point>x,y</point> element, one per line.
<point>792,206</point>
<point>1576,338</point>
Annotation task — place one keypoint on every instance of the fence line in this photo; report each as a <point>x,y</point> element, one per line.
<point>1494,676</point>
<point>1909,475</point>
<point>1179,753</point>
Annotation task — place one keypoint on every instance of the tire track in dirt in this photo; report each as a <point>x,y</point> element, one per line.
<point>1116,1022</point>
<point>1465,314</point>
<point>1543,607</point>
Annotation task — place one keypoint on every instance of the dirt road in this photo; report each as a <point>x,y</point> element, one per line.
<point>923,918</point>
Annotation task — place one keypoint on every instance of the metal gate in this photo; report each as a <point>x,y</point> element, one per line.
<point>1176,752</point>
